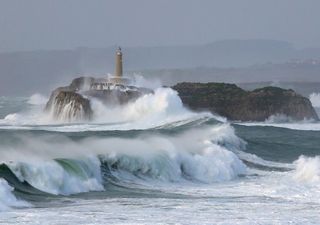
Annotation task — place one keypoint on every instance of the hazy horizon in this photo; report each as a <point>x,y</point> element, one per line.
<point>53,25</point>
<point>45,43</point>
<point>114,46</point>
<point>207,114</point>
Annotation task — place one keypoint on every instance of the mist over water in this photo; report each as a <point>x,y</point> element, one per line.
<point>7,198</point>
<point>154,154</point>
<point>152,160</point>
<point>161,108</point>
<point>37,99</point>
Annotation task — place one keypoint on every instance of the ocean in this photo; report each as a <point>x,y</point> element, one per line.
<point>155,162</point>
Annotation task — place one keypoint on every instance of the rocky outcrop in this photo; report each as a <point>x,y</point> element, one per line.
<point>234,103</point>
<point>121,95</point>
<point>69,106</point>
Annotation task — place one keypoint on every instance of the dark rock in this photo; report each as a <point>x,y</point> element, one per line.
<point>68,106</point>
<point>81,83</point>
<point>234,103</point>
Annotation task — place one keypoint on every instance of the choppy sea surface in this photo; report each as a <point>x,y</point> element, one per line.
<point>155,162</point>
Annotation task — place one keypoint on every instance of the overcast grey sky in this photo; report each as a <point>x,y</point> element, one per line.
<point>65,24</point>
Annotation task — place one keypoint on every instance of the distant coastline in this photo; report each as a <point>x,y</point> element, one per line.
<point>232,61</point>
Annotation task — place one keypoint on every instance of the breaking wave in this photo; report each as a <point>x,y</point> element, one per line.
<point>163,106</point>
<point>308,169</point>
<point>315,99</point>
<point>61,166</point>
<point>149,111</point>
<point>174,160</point>
<point>7,198</point>
<point>153,142</point>
<point>59,176</point>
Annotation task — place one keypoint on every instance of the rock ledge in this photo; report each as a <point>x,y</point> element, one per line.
<point>236,104</point>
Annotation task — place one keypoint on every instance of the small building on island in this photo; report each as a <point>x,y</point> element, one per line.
<point>117,81</point>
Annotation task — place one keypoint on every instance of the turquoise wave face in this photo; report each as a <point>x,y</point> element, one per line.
<point>69,163</point>
<point>167,154</point>
<point>202,163</point>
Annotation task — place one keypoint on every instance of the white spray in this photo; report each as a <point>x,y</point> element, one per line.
<point>315,99</point>
<point>7,199</point>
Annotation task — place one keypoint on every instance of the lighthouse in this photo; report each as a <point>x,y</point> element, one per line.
<point>117,81</point>
<point>118,69</point>
<point>117,78</point>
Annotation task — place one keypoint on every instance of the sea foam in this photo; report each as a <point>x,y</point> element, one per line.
<point>194,156</point>
<point>7,198</point>
<point>58,165</point>
<point>62,177</point>
<point>315,99</point>
<point>307,169</point>
<point>149,111</point>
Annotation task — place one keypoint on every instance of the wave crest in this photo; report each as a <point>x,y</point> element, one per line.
<point>212,164</point>
<point>63,166</point>
<point>7,198</point>
<point>149,111</point>
<point>60,176</point>
<point>307,169</point>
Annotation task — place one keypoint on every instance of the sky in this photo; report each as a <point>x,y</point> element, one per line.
<point>67,24</point>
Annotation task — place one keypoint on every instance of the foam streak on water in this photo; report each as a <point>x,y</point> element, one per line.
<point>304,126</point>
<point>153,161</point>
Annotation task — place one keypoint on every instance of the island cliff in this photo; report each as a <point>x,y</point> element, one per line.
<point>69,106</point>
<point>71,103</point>
<point>234,103</point>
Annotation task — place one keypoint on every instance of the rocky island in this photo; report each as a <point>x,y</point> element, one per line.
<point>234,103</point>
<point>72,102</point>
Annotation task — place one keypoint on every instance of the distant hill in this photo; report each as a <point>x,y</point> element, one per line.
<point>28,72</point>
<point>304,71</point>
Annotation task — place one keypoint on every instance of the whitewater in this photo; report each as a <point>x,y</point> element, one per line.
<point>153,161</point>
